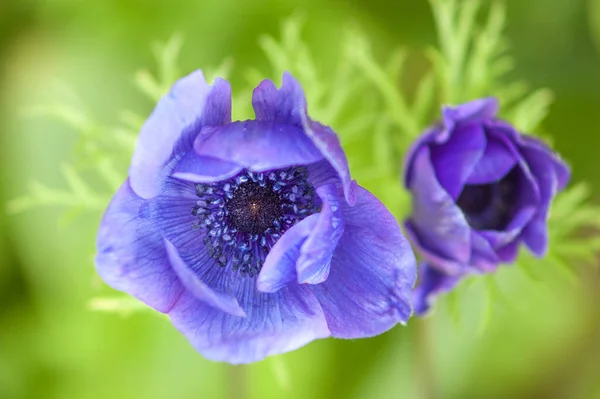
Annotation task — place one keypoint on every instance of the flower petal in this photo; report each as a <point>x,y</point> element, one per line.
<point>304,252</point>
<point>528,200</point>
<point>429,136</point>
<point>170,129</point>
<point>199,289</point>
<point>474,111</point>
<point>285,105</point>
<point>321,173</point>
<point>279,268</point>
<point>131,255</point>
<point>275,323</point>
<point>372,273</point>
<point>535,235</point>
<point>455,160</point>
<point>540,149</point>
<point>551,175</point>
<point>483,256</point>
<point>258,145</point>
<point>288,104</point>
<point>548,169</point>
<point>203,169</point>
<point>315,256</point>
<point>449,266</point>
<point>439,223</point>
<point>467,114</point>
<point>508,253</point>
<point>500,238</point>
<point>495,163</point>
<point>174,216</point>
<point>329,144</point>
<point>432,282</point>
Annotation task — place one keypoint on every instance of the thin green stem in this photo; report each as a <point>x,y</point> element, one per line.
<point>238,387</point>
<point>423,360</point>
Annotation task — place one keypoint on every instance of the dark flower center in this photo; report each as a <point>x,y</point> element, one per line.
<point>490,206</point>
<point>243,217</point>
<point>253,207</point>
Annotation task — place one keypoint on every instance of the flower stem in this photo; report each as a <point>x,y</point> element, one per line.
<point>423,361</point>
<point>238,387</point>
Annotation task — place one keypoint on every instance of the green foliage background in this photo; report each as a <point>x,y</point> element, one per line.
<point>67,72</point>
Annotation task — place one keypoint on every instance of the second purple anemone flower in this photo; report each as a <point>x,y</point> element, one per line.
<point>479,189</point>
<point>251,235</point>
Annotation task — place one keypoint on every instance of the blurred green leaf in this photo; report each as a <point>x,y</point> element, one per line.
<point>594,20</point>
<point>529,112</point>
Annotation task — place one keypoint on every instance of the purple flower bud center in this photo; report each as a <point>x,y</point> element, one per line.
<point>490,206</point>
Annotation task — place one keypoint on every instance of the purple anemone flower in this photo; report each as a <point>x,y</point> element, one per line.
<point>479,189</point>
<point>251,235</point>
